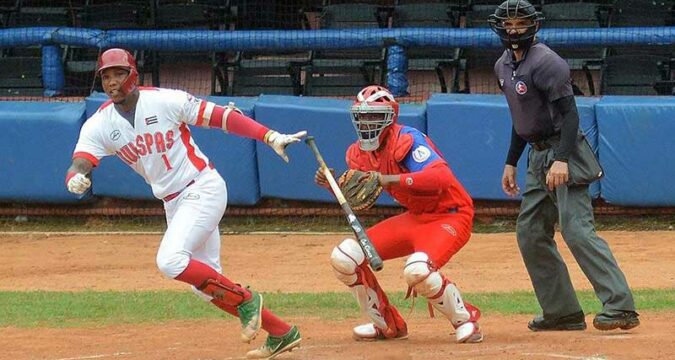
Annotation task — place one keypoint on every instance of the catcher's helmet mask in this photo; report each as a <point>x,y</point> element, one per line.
<point>373,111</point>
<point>515,9</point>
<point>120,58</point>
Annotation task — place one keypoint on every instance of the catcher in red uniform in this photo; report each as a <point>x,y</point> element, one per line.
<point>436,225</point>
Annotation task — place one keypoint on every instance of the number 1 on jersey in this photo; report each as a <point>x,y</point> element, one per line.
<point>166,162</point>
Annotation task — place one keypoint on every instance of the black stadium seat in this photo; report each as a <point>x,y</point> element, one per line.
<point>637,75</point>
<point>24,79</point>
<point>346,71</point>
<point>430,15</point>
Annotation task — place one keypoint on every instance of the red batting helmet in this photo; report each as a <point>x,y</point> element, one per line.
<point>123,59</point>
<point>373,111</point>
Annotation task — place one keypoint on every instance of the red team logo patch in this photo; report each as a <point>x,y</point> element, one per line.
<point>521,88</point>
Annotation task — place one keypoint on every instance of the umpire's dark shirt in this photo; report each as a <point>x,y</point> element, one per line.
<point>530,86</point>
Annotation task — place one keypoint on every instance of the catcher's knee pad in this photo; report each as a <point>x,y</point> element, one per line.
<point>172,264</point>
<point>345,258</point>
<point>421,275</point>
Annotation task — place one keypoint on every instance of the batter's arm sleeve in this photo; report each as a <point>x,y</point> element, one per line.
<point>228,118</point>
<point>570,127</point>
<point>515,149</point>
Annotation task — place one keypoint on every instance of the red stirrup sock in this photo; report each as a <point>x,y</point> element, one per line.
<point>230,309</point>
<point>273,324</point>
<point>197,273</point>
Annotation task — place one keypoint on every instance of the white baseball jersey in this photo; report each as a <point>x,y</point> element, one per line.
<point>158,146</point>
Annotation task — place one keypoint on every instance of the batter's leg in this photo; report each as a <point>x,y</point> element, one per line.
<point>193,219</point>
<point>210,255</point>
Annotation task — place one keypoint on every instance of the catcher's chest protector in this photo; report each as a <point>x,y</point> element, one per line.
<point>386,160</point>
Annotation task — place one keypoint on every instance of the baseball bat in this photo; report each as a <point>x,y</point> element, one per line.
<point>374,259</point>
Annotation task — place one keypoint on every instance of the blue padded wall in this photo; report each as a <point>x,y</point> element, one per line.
<point>329,122</point>
<point>36,144</point>
<point>637,149</point>
<point>474,133</point>
<point>233,156</point>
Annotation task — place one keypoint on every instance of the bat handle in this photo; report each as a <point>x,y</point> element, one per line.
<point>312,145</point>
<point>376,263</point>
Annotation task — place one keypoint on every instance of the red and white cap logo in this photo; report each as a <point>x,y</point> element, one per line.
<point>521,88</point>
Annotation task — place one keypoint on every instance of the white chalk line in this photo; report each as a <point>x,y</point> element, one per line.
<point>99,356</point>
<point>99,233</point>
<point>562,356</point>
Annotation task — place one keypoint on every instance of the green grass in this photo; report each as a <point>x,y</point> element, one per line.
<point>74,309</point>
<point>244,224</point>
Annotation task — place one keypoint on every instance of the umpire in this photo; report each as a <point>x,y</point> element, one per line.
<point>538,88</point>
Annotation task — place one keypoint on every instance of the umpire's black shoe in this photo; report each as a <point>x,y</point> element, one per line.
<point>574,321</point>
<point>623,320</point>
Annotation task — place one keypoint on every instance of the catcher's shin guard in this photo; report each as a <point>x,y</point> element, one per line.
<point>348,264</point>
<point>444,296</point>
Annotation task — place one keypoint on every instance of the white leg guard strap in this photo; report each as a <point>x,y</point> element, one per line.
<point>345,258</point>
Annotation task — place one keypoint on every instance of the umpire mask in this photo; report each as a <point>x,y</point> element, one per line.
<point>511,10</point>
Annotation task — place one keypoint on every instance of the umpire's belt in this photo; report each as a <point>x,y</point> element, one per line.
<point>542,145</point>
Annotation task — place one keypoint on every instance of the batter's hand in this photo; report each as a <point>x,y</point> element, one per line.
<point>557,175</point>
<point>78,184</point>
<point>509,184</point>
<point>278,142</point>
<point>320,177</point>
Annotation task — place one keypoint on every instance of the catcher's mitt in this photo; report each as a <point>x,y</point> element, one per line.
<point>361,189</point>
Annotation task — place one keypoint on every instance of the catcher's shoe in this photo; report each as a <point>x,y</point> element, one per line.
<point>276,345</point>
<point>469,332</point>
<point>624,320</point>
<point>369,332</point>
<point>250,315</point>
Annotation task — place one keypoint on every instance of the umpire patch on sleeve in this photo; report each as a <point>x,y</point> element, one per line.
<point>421,154</point>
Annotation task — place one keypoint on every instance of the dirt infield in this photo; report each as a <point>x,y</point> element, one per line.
<point>490,262</point>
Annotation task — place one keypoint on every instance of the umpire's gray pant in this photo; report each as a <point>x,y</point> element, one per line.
<point>571,205</point>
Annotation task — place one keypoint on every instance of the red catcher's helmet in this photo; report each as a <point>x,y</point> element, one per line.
<point>123,59</point>
<point>373,111</point>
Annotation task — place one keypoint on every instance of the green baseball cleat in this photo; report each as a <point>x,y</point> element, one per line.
<point>276,345</point>
<point>250,315</point>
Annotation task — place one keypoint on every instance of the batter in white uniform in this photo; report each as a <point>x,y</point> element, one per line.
<point>147,128</point>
